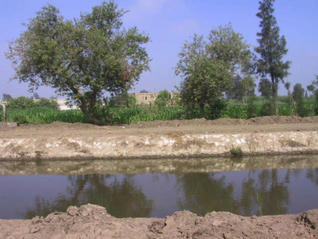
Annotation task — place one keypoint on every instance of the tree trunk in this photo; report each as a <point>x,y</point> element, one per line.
<point>274,94</point>
<point>90,115</point>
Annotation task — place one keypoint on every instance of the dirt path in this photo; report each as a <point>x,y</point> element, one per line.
<point>91,221</point>
<point>260,124</point>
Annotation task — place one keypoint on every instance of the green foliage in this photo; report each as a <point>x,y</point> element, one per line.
<point>236,152</point>
<point>48,103</point>
<point>128,115</point>
<point>132,101</point>
<point>114,115</point>
<point>251,107</point>
<point>208,69</point>
<point>163,99</point>
<point>6,97</point>
<point>27,103</point>
<point>20,119</point>
<point>265,88</point>
<point>271,50</point>
<point>298,95</point>
<point>122,100</point>
<point>267,109</point>
<point>21,102</point>
<point>83,59</point>
<point>313,88</point>
<point>234,111</point>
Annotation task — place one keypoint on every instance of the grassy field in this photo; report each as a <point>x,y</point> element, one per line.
<point>124,115</point>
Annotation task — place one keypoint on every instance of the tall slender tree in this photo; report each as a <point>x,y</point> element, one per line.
<point>271,49</point>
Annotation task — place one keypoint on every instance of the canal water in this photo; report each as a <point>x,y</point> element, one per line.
<point>286,185</point>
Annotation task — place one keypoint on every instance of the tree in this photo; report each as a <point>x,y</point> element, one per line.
<point>298,95</point>
<point>313,88</point>
<point>264,87</point>
<point>209,68</point>
<point>36,96</point>
<point>163,98</point>
<point>6,97</point>
<point>241,88</point>
<point>84,59</point>
<point>291,102</point>
<point>144,91</point>
<point>271,49</point>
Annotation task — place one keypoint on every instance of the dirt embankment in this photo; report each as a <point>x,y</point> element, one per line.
<point>265,135</point>
<point>91,221</point>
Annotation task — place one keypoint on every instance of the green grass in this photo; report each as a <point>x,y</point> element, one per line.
<point>122,115</point>
<point>125,115</point>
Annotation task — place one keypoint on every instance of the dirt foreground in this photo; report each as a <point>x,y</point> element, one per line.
<point>161,139</point>
<point>91,221</point>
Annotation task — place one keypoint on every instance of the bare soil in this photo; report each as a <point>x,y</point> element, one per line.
<point>197,126</point>
<point>91,221</point>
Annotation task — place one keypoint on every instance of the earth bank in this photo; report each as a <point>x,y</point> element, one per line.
<point>91,221</point>
<point>161,139</point>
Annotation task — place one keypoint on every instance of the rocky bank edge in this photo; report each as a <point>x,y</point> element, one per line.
<point>162,139</point>
<point>173,144</point>
<point>92,221</point>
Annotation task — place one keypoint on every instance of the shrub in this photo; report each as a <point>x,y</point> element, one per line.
<point>251,107</point>
<point>48,103</point>
<point>21,103</point>
<point>267,109</point>
<point>236,152</point>
<point>163,98</point>
<point>20,119</point>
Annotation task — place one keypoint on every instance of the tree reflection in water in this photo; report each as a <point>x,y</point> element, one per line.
<point>265,193</point>
<point>262,193</point>
<point>312,175</point>
<point>121,197</point>
<point>204,193</point>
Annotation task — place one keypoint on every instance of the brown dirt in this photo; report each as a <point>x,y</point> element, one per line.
<point>260,124</point>
<point>91,221</point>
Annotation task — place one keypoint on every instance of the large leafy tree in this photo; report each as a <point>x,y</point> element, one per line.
<point>85,59</point>
<point>271,49</point>
<point>209,69</point>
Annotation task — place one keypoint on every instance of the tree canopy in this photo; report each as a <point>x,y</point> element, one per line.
<point>209,69</point>
<point>271,49</point>
<point>86,59</point>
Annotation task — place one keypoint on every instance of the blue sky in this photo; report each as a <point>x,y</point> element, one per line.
<point>169,23</point>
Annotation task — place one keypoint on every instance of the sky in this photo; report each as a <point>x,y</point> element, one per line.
<point>169,23</point>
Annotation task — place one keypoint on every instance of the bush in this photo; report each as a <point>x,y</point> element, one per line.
<point>163,99</point>
<point>236,152</point>
<point>48,103</point>
<point>267,109</point>
<point>20,119</point>
<point>21,103</point>
<point>251,107</point>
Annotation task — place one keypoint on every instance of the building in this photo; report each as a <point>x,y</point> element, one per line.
<point>63,106</point>
<point>146,98</point>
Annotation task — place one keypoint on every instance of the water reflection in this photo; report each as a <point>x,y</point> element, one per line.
<point>119,195</point>
<point>205,193</point>
<point>255,192</point>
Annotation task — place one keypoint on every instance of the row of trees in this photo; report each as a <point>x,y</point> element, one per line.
<point>92,59</point>
<point>224,65</point>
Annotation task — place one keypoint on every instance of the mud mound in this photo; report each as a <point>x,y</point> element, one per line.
<point>91,221</point>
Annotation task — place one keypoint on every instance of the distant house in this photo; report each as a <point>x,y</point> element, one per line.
<point>63,106</point>
<point>145,98</point>
<point>150,98</point>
